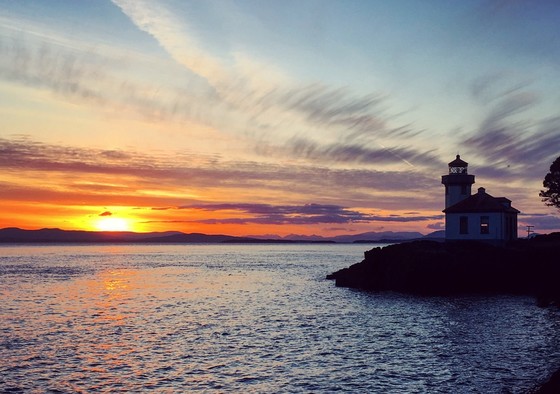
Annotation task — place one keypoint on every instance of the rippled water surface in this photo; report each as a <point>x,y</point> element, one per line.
<point>250,318</point>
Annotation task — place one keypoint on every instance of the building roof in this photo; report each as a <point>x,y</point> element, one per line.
<point>482,202</point>
<point>458,162</point>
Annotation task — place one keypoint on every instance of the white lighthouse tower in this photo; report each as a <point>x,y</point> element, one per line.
<point>458,183</point>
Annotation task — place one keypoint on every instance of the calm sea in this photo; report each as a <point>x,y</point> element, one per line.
<point>250,318</point>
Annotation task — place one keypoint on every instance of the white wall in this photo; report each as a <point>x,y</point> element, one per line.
<point>496,228</point>
<point>454,194</point>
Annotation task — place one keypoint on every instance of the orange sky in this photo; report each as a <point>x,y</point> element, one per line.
<point>144,116</point>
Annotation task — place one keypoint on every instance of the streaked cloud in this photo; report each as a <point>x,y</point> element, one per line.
<point>173,35</point>
<point>138,172</point>
<point>542,222</point>
<point>436,226</point>
<point>56,67</point>
<point>258,114</point>
<point>360,153</point>
<point>100,78</point>
<point>270,103</point>
<point>269,113</point>
<point>308,214</point>
<point>509,141</point>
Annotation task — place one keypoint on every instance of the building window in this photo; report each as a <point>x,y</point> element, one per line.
<point>446,190</point>
<point>463,225</point>
<point>484,225</point>
<point>463,189</point>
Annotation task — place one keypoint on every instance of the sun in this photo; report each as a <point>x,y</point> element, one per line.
<point>113,224</point>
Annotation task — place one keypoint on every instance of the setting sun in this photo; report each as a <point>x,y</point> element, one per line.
<point>113,224</point>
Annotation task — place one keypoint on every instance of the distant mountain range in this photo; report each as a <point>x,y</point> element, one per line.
<point>52,235</point>
<point>372,236</point>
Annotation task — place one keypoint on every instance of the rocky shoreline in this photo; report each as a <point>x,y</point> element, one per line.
<point>551,386</point>
<point>525,266</point>
<point>467,267</point>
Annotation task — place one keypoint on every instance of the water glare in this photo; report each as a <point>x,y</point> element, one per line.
<point>250,318</point>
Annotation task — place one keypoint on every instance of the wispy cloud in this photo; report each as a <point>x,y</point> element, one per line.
<point>58,68</point>
<point>242,96</point>
<point>173,35</point>
<point>268,103</point>
<point>541,222</point>
<point>511,141</point>
<point>277,111</point>
<point>360,153</point>
<point>130,173</point>
<point>436,226</point>
<point>308,214</point>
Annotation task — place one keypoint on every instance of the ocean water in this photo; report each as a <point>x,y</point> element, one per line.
<point>250,319</point>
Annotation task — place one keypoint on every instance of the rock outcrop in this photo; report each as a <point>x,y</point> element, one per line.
<point>529,267</point>
<point>444,268</point>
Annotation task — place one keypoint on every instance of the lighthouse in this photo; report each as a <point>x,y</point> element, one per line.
<point>458,183</point>
<point>479,216</point>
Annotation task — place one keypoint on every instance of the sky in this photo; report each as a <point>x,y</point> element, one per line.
<point>272,117</point>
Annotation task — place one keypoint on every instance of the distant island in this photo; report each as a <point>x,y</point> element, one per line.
<point>55,235</point>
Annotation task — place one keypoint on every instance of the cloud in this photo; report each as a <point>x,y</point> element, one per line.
<point>357,153</point>
<point>325,106</point>
<point>260,97</point>
<point>341,229</point>
<point>542,222</point>
<point>24,153</point>
<point>436,226</point>
<point>510,141</point>
<point>514,152</point>
<point>61,69</point>
<point>238,99</point>
<point>173,35</point>
<point>493,86</point>
<point>124,175</point>
<point>238,94</point>
<point>107,79</point>
<point>307,214</point>
<point>509,105</point>
<point>106,213</point>
<point>97,78</point>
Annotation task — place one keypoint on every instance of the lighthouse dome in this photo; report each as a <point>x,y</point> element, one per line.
<point>458,166</point>
<point>458,162</point>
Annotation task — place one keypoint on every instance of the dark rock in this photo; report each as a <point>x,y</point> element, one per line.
<point>551,386</point>
<point>442,268</point>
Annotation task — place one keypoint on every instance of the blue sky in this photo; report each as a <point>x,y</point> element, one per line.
<point>353,105</point>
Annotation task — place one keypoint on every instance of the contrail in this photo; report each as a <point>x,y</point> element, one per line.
<point>396,155</point>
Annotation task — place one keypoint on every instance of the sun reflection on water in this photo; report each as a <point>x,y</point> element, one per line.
<point>140,320</point>
<point>116,280</point>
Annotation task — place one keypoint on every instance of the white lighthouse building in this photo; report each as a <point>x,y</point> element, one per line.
<point>479,216</point>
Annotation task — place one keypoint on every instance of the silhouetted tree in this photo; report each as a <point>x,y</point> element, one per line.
<point>551,196</point>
